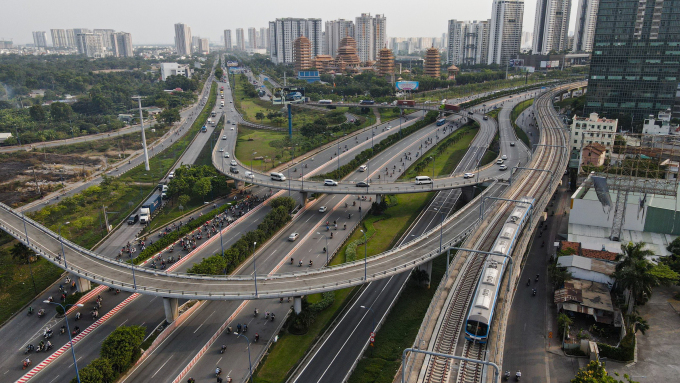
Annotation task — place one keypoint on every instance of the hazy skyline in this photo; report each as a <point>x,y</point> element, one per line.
<point>152,22</point>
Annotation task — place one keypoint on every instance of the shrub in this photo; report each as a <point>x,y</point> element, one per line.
<point>121,347</point>
<point>623,353</point>
<point>98,371</point>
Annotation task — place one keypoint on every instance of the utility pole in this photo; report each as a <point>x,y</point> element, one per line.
<point>37,185</point>
<point>141,122</point>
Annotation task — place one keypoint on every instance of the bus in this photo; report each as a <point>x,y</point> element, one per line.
<point>325,101</point>
<point>441,121</point>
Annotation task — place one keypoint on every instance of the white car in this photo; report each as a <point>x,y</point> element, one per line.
<point>226,155</point>
<point>323,209</point>
<point>363,168</point>
<point>233,163</point>
<point>504,157</point>
<point>468,175</point>
<point>250,175</point>
<point>503,167</point>
<point>224,137</point>
<point>232,128</point>
<point>293,237</point>
<point>499,162</point>
<point>330,183</point>
<point>171,175</point>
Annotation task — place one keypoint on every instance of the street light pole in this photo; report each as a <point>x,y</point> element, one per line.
<point>254,269</point>
<point>250,364</point>
<point>35,289</point>
<point>365,255</point>
<point>70,339</point>
<point>141,123</point>
<point>63,254</point>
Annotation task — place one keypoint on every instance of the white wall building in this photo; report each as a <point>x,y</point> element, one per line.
<point>70,38</point>
<point>468,42</point>
<point>203,46</point>
<point>39,39</point>
<point>240,39</point>
<point>336,30</point>
<point>588,269</point>
<point>262,38</point>
<point>90,45</point>
<point>371,35</point>
<point>227,39</point>
<point>183,39</point>
<point>252,38</point>
<point>174,69</point>
<point>586,130</point>
<point>505,30</point>
<point>551,26</point>
<point>121,44</point>
<point>586,18</point>
<point>59,38</point>
<point>659,126</point>
<point>283,32</point>
<point>106,37</point>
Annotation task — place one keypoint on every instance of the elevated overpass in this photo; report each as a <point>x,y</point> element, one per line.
<point>89,265</point>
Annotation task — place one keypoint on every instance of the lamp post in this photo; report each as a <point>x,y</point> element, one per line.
<point>250,364</point>
<point>70,339</point>
<point>62,244</point>
<point>372,311</point>
<point>251,161</point>
<point>365,255</point>
<point>327,249</point>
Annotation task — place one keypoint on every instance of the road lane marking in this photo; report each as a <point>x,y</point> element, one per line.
<point>157,371</point>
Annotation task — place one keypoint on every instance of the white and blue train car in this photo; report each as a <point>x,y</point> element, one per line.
<point>482,307</point>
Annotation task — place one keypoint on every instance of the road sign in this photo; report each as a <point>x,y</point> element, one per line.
<point>550,335</point>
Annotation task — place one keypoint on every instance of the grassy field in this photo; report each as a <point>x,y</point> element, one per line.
<point>259,141</point>
<point>448,159</point>
<point>516,111</point>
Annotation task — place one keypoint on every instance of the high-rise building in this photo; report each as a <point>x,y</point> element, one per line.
<point>183,39</point>
<point>90,45</point>
<point>106,36</point>
<point>70,38</point>
<point>240,39</point>
<point>468,42</point>
<point>551,26</point>
<point>252,38</point>
<point>262,38</point>
<point>336,30</point>
<point>194,43</point>
<point>586,17</point>
<point>635,66</point>
<point>39,39</point>
<point>59,38</point>
<point>432,63</point>
<point>203,46</point>
<point>302,53</point>
<point>227,39</point>
<point>283,32</point>
<point>505,30</point>
<point>77,31</point>
<point>370,34</point>
<point>527,38</point>
<point>121,44</point>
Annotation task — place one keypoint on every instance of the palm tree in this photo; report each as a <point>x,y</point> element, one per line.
<point>633,273</point>
<point>630,252</point>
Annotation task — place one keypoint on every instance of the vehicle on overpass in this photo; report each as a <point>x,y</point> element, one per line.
<point>441,121</point>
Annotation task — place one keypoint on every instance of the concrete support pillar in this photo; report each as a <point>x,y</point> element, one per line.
<point>82,284</point>
<point>240,185</point>
<point>427,267</point>
<point>171,309</point>
<point>297,304</point>
<point>379,198</point>
<point>305,197</point>
<point>468,193</point>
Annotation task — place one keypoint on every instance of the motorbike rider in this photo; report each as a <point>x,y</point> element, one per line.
<point>223,348</point>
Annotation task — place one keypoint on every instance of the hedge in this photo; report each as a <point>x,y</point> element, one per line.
<point>377,148</point>
<point>424,161</point>
<point>326,301</point>
<point>624,353</point>
<point>243,248</point>
<point>351,249</point>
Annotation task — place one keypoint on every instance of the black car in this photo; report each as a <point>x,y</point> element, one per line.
<point>362,184</point>
<point>233,169</point>
<point>133,219</point>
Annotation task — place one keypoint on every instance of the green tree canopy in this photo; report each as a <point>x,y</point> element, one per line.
<point>98,371</point>
<point>121,347</point>
<point>595,372</point>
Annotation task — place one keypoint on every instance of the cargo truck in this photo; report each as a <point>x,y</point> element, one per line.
<point>452,107</point>
<point>148,208</point>
<point>406,102</point>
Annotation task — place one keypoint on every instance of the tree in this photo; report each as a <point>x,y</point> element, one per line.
<point>22,253</point>
<point>98,371</point>
<point>184,200</point>
<point>202,187</point>
<point>259,116</point>
<point>558,274</point>
<point>170,116</point>
<point>634,273</point>
<point>563,322</point>
<point>594,372</point>
<point>60,111</point>
<point>121,347</point>
<point>674,247</point>
<point>37,113</point>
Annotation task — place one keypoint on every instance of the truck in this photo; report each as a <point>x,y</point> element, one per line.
<point>406,102</point>
<point>148,207</point>
<point>366,102</point>
<point>452,107</point>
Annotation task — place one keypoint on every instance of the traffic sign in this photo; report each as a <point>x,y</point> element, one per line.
<point>550,335</point>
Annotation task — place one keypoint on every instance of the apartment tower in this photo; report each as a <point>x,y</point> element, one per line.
<point>283,32</point>
<point>183,39</point>
<point>227,39</point>
<point>551,26</point>
<point>586,17</point>
<point>505,30</point>
<point>40,39</point>
<point>59,38</point>
<point>468,42</point>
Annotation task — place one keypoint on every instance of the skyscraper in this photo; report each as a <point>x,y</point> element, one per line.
<point>90,45</point>
<point>336,30</point>
<point>370,34</point>
<point>505,30</point>
<point>121,44</point>
<point>227,39</point>
<point>283,32</point>
<point>262,42</point>
<point>106,36</point>
<point>252,38</point>
<point>551,26</point>
<point>39,39</point>
<point>59,38</point>
<point>635,65</point>
<point>240,39</point>
<point>203,46</point>
<point>70,38</point>
<point>586,17</point>
<point>183,39</point>
<point>468,42</point>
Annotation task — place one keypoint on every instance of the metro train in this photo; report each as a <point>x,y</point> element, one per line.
<point>482,307</point>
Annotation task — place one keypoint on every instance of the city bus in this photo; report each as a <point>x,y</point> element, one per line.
<point>441,121</point>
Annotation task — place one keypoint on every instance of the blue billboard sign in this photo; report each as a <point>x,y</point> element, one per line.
<point>407,85</point>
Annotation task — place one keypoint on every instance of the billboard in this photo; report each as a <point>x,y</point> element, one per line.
<point>515,63</point>
<point>407,85</point>
<point>550,64</point>
<point>232,63</point>
<point>288,95</point>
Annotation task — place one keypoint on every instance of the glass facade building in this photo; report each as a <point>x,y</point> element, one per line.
<point>635,65</point>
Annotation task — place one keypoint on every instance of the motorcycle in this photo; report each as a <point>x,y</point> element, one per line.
<point>507,375</point>
<point>223,349</point>
<point>533,293</point>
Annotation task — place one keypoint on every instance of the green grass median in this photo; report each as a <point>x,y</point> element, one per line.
<point>516,112</point>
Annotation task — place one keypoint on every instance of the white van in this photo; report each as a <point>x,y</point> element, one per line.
<point>421,180</point>
<point>363,168</point>
<point>277,177</point>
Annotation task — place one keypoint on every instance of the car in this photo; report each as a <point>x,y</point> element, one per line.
<point>233,169</point>
<point>388,127</point>
<point>468,175</point>
<point>221,150</point>
<point>228,122</point>
<point>233,163</point>
<point>470,113</point>
<point>323,209</point>
<point>226,155</point>
<point>504,157</point>
<point>233,123</point>
<point>330,183</point>
<point>293,236</point>
<point>362,184</point>
<point>512,144</point>
<point>363,168</point>
<point>171,175</point>
<point>499,161</point>
<point>231,102</point>
<point>503,167</point>
<point>250,175</point>
<point>232,128</point>
<point>485,117</point>
<point>224,137</point>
